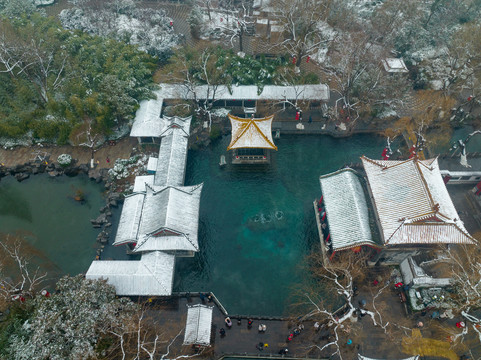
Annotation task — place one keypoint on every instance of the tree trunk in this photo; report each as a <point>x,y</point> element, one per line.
<point>297,68</point>
<point>241,48</point>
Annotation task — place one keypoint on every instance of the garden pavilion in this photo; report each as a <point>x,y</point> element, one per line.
<point>251,140</point>
<point>198,325</point>
<point>413,208</point>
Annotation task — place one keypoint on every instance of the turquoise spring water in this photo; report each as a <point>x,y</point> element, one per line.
<point>257,223</point>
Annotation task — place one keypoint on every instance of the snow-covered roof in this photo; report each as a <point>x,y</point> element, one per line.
<point>368,358</point>
<point>198,325</point>
<point>166,219</point>
<point>129,222</point>
<point>141,181</point>
<point>247,92</point>
<point>277,28</point>
<point>394,65</point>
<point>172,158</point>
<point>152,164</point>
<point>147,122</point>
<point>413,204</point>
<point>152,275</point>
<point>251,133</point>
<point>415,276</point>
<point>170,219</point>
<point>346,209</point>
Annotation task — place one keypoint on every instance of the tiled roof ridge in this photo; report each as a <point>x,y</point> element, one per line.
<point>248,123</point>
<point>154,275</point>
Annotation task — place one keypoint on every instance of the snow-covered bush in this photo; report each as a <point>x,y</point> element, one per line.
<point>125,167</point>
<point>150,29</point>
<point>64,159</point>
<point>195,22</point>
<point>69,323</point>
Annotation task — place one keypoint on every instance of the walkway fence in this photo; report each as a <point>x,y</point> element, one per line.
<point>266,356</point>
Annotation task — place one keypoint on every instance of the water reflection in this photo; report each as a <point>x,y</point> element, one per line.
<point>13,203</point>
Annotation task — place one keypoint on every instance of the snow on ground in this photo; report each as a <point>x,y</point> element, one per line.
<point>44,2</point>
<point>149,29</point>
<point>219,24</point>
<point>364,8</point>
<point>328,34</point>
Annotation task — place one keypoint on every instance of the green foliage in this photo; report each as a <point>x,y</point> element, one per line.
<point>230,69</point>
<point>251,71</point>
<point>310,78</point>
<point>12,325</point>
<point>215,132</point>
<point>90,79</point>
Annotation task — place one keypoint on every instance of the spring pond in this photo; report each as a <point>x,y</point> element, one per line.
<point>256,222</point>
<point>54,230</point>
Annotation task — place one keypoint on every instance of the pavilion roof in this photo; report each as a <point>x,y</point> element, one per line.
<point>346,209</point>
<point>251,133</point>
<point>165,219</point>
<point>198,325</point>
<point>413,204</point>
<point>152,275</point>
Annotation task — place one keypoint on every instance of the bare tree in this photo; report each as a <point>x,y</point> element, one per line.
<point>353,66</point>
<point>42,64</point>
<point>238,24</point>
<point>144,337</point>
<point>301,21</point>
<point>27,279</point>
<point>201,74</point>
<point>86,134</point>
<point>338,277</point>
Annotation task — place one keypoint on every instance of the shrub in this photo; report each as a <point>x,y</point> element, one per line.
<point>64,160</point>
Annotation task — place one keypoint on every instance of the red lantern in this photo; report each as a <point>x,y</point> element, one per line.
<point>294,60</point>
<point>308,58</point>
<point>384,154</point>
<point>221,19</point>
<point>171,23</point>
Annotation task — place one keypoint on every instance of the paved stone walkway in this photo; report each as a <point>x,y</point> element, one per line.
<point>21,154</point>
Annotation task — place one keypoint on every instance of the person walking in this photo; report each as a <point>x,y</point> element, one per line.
<point>222,332</point>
